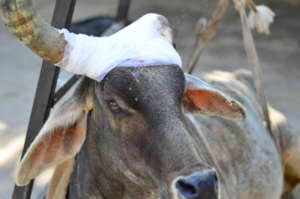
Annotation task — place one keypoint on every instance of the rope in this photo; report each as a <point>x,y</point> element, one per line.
<point>207,31</point>
<point>253,62</point>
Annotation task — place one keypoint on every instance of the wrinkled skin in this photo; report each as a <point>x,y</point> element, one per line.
<point>135,148</point>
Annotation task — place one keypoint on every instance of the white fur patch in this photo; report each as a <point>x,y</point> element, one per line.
<point>145,42</point>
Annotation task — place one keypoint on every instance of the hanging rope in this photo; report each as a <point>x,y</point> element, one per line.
<point>207,32</point>
<point>254,64</point>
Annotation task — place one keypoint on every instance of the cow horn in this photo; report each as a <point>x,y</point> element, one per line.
<point>43,39</point>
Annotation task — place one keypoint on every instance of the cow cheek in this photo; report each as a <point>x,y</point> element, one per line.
<point>134,143</point>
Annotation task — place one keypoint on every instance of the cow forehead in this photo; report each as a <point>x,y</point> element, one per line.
<point>146,82</point>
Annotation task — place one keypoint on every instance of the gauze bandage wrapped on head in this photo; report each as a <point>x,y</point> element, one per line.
<point>146,42</point>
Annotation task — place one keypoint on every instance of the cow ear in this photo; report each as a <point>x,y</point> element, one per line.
<point>60,139</point>
<point>200,97</point>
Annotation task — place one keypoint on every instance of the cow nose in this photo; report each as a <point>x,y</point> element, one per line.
<point>198,185</point>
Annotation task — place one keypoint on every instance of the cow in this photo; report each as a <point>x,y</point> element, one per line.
<point>154,132</point>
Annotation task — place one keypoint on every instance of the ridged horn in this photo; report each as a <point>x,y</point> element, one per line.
<point>23,21</point>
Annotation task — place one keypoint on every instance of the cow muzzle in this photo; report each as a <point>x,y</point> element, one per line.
<point>198,185</point>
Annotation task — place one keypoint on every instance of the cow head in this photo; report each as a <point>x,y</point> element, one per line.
<point>135,131</point>
<point>128,132</point>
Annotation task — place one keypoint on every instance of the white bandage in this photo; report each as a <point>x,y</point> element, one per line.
<point>146,42</point>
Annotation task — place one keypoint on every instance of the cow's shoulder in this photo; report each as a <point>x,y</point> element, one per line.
<point>289,140</point>
<point>240,86</point>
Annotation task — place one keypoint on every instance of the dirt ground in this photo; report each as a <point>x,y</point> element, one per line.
<point>279,55</point>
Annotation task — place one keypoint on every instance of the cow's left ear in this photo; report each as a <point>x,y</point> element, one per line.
<point>201,97</point>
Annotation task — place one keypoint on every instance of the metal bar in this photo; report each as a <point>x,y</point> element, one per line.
<point>123,9</point>
<point>43,100</point>
<point>40,110</point>
<point>65,88</point>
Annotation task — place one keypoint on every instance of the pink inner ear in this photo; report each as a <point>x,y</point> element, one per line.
<point>58,144</point>
<point>37,154</point>
<point>209,101</point>
<point>74,137</point>
<point>53,147</point>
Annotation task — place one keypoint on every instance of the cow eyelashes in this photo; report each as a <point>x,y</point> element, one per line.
<point>114,107</point>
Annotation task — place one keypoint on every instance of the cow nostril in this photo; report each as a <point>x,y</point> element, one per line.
<point>201,184</point>
<point>186,188</point>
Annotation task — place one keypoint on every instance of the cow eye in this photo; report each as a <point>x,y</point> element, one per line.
<point>114,107</point>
